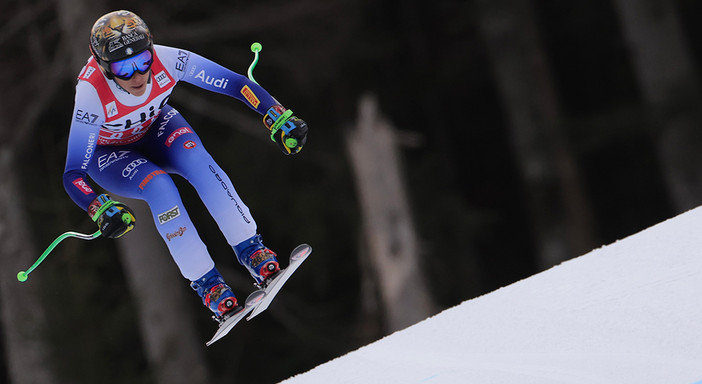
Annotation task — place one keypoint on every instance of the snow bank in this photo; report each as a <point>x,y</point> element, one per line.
<point>630,312</point>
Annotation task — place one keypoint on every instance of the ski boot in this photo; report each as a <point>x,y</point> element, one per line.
<point>260,261</point>
<point>216,295</point>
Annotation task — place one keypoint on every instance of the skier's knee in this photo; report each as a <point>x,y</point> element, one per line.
<point>156,182</point>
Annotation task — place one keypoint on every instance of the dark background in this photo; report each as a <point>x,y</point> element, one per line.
<point>430,68</point>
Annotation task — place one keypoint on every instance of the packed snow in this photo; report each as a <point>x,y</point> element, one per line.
<point>629,312</point>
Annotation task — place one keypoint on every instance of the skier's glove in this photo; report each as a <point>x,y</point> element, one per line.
<point>287,130</point>
<point>113,218</point>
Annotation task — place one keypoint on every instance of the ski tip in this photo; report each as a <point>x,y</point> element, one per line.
<point>302,250</point>
<point>255,297</point>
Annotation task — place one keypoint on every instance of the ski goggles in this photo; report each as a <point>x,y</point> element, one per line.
<point>125,69</point>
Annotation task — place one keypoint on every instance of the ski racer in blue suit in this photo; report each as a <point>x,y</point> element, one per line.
<point>127,139</point>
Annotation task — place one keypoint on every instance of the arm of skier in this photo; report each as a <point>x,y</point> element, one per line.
<point>288,131</point>
<point>113,218</point>
<point>211,76</point>
<point>82,139</point>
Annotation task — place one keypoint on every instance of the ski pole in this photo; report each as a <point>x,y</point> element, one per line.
<point>290,142</point>
<point>22,275</point>
<point>255,48</point>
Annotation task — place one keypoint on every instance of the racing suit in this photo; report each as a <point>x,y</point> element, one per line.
<point>129,145</point>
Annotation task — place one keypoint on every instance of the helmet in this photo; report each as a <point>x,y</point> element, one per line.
<point>118,35</point>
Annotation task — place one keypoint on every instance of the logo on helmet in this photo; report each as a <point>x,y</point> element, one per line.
<point>114,45</point>
<point>132,37</point>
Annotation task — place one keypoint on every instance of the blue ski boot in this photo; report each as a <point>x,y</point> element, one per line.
<point>216,295</point>
<point>258,259</point>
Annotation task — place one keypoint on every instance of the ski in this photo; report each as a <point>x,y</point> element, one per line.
<point>224,328</point>
<point>259,300</point>
<point>297,257</point>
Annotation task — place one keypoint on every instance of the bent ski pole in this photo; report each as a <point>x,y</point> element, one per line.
<point>289,142</point>
<point>22,275</point>
<point>255,48</point>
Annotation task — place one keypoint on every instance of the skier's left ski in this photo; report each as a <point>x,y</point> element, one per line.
<point>297,256</point>
<point>251,303</point>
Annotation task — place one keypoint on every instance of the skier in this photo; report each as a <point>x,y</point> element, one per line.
<point>126,137</point>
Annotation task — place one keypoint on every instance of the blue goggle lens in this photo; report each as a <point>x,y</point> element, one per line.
<point>125,69</point>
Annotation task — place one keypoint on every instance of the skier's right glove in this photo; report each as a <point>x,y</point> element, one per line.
<point>288,131</point>
<point>113,218</point>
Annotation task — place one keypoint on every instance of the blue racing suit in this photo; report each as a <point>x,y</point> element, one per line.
<point>129,145</point>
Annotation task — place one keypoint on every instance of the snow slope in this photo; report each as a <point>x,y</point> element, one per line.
<point>630,312</point>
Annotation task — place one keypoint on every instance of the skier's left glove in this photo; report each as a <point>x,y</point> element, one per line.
<point>287,130</point>
<point>112,217</point>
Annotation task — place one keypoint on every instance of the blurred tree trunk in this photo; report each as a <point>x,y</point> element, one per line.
<point>76,18</point>
<point>669,83</point>
<point>388,229</point>
<point>560,214</point>
<point>23,315</point>
<point>173,346</point>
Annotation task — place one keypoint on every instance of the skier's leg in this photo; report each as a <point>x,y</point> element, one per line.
<point>133,175</point>
<point>181,151</point>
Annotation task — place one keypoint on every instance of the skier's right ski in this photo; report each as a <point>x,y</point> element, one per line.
<point>251,303</point>
<point>259,300</point>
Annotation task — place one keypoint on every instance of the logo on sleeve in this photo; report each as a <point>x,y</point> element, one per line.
<point>250,96</point>
<point>182,59</point>
<point>82,186</point>
<point>90,147</point>
<point>85,117</point>
<point>217,83</point>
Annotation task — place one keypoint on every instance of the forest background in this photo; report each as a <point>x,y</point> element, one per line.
<point>437,130</point>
